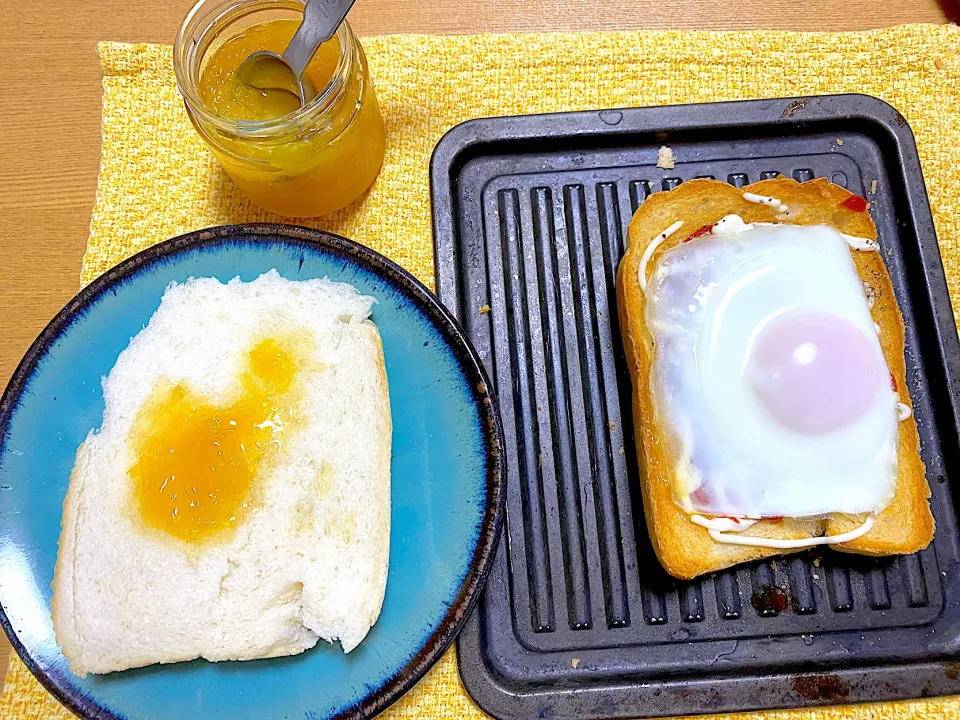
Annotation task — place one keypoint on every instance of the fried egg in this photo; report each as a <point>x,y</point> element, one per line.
<point>768,374</point>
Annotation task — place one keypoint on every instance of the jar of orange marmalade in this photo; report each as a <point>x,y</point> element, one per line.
<point>291,160</point>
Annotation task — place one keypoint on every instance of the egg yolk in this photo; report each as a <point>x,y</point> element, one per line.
<point>814,372</point>
<point>197,460</point>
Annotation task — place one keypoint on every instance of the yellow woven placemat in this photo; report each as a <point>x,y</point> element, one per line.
<point>157,180</point>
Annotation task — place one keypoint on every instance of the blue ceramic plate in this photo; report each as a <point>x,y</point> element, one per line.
<point>447,481</point>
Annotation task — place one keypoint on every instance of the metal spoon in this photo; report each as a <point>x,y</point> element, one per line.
<point>268,71</point>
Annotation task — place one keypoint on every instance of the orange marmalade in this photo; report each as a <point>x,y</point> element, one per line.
<point>197,460</point>
<point>227,95</point>
<point>289,160</point>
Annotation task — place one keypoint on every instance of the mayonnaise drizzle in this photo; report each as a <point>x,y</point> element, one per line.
<point>723,524</point>
<point>764,200</point>
<point>732,225</point>
<point>719,529</point>
<point>903,411</point>
<point>652,248</point>
<point>859,243</point>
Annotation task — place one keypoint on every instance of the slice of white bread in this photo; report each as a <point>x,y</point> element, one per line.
<point>308,560</point>
<point>687,550</point>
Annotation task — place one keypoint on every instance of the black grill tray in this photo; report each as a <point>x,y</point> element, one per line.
<point>578,619</point>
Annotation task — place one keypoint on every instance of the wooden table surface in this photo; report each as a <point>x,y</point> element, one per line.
<point>50,148</point>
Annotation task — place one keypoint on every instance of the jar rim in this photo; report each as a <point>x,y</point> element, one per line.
<point>188,53</point>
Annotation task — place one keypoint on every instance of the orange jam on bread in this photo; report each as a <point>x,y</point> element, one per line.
<point>197,460</point>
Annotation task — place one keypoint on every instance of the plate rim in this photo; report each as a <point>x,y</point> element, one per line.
<point>484,399</point>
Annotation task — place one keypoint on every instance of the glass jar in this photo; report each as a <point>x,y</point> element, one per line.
<point>311,162</point>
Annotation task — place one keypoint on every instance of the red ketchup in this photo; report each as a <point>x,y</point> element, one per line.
<point>705,230</point>
<point>855,203</point>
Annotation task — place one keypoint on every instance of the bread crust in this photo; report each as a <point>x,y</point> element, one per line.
<point>687,550</point>
<point>62,603</point>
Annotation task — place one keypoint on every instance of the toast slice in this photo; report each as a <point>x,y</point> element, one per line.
<point>686,550</point>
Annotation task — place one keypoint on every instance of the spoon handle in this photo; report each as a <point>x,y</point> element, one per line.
<point>321,18</point>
